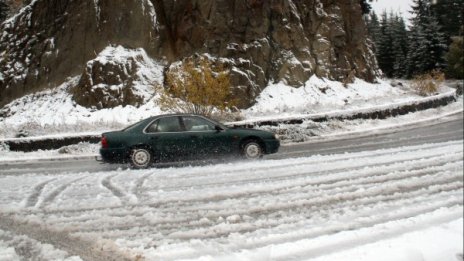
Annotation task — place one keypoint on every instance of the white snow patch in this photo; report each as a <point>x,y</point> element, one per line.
<point>54,111</point>
<point>351,206</point>
<point>319,96</point>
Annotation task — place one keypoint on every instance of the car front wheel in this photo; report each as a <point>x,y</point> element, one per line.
<point>140,158</point>
<point>252,150</point>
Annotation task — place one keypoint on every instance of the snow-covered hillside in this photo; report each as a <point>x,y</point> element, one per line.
<point>54,111</point>
<point>402,204</point>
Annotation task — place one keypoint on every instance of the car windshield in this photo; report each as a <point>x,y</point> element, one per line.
<point>217,123</point>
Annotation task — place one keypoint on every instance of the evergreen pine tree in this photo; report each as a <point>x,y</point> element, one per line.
<point>384,46</point>
<point>450,15</point>
<point>455,58</point>
<point>427,44</point>
<point>435,42</point>
<point>399,46</point>
<point>373,30</point>
<point>390,37</point>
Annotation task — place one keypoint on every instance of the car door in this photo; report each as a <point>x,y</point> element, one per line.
<point>167,138</point>
<point>205,139</point>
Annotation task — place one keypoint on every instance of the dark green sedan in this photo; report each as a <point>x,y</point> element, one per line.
<point>167,138</point>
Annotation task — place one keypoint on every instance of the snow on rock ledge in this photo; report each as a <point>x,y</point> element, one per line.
<point>118,76</point>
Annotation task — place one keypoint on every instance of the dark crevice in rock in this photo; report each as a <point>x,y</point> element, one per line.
<point>166,27</point>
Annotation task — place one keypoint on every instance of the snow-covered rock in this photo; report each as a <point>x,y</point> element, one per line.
<point>118,76</point>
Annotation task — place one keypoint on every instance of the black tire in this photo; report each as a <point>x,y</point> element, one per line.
<point>140,158</point>
<point>252,150</point>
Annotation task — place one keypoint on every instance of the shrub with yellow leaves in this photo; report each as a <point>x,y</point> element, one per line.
<point>197,85</point>
<point>428,83</point>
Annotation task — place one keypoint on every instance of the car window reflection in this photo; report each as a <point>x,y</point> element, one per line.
<point>197,124</point>
<point>166,124</point>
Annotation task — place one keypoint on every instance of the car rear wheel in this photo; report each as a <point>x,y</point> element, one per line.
<point>252,150</point>
<point>140,158</point>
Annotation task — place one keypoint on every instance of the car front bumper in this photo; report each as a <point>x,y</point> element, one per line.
<point>272,146</point>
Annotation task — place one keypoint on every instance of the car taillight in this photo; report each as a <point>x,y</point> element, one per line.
<point>104,142</point>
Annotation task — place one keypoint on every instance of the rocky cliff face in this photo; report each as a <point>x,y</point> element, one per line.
<point>261,41</point>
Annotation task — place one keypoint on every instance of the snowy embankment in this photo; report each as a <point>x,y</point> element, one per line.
<point>54,112</point>
<point>306,131</point>
<point>291,127</point>
<point>393,204</point>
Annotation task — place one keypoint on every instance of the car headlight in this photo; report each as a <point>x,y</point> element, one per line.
<point>276,136</point>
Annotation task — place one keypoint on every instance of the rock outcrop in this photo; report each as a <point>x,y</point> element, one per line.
<point>261,41</point>
<point>51,40</point>
<point>118,76</point>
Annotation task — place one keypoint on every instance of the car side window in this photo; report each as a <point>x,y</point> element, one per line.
<point>166,124</point>
<point>192,123</point>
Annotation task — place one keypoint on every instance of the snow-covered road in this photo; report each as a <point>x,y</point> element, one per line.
<point>323,207</point>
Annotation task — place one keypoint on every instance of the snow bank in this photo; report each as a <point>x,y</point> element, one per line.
<point>325,98</point>
<point>54,111</point>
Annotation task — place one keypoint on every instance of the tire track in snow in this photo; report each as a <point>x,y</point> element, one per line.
<point>190,179</point>
<point>330,179</point>
<point>208,232</point>
<point>336,181</point>
<point>56,192</point>
<point>259,231</point>
<point>33,198</point>
<point>186,173</point>
<point>293,204</point>
<point>192,216</point>
<point>116,191</point>
<point>85,248</point>
<point>280,188</point>
<point>290,174</point>
<point>124,197</point>
<point>159,232</point>
<point>136,189</point>
<point>375,220</point>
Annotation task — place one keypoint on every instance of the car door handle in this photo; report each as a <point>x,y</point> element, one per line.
<point>153,138</point>
<point>194,136</point>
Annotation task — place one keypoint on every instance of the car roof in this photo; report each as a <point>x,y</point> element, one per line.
<point>177,114</point>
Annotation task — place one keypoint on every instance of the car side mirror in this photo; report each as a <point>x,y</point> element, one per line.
<point>218,128</point>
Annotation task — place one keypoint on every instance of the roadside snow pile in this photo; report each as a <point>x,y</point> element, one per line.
<point>36,249</point>
<point>80,148</point>
<point>322,96</point>
<point>83,149</point>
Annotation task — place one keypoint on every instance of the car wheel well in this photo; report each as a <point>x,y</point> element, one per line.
<point>140,146</point>
<point>253,138</point>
